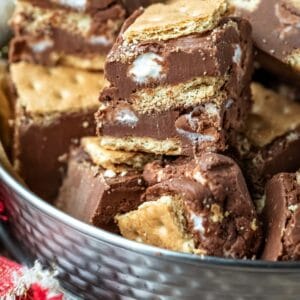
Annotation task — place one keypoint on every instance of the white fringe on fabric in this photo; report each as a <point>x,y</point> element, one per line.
<point>35,275</point>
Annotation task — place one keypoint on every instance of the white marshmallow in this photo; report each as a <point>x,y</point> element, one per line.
<point>41,46</point>
<point>237,56</point>
<point>127,117</point>
<point>198,223</point>
<point>146,67</point>
<point>196,137</point>
<point>76,4</point>
<point>99,40</point>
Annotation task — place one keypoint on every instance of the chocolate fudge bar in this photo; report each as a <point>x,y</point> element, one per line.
<point>132,5</point>
<point>46,33</point>
<point>179,80</point>
<point>54,107</point>
<point>201,207</point>
<point>272,138</point>
<point>101,183</point>
<point>282,218</point>
<point>276,33</point>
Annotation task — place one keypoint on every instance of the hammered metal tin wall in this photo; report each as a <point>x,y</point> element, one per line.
<point>94,264</point>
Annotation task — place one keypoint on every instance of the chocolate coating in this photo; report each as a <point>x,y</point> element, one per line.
<point>213,187</point>
<point>92,198</point>
<point>275,31</point>
<point>209,54</point>
<point>38,148</point>
<point>282,218</point>
<point>132,5</point>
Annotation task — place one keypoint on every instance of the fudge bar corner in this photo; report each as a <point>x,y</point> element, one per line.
<point>175,87</point>
<point>54,107</point>
<point>102,183</point>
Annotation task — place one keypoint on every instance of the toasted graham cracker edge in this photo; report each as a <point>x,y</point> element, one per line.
<point>272,116</point>
<point>144,144</point>
<point>169,21</point>
<point>114,160</point>
<point>50,90</point>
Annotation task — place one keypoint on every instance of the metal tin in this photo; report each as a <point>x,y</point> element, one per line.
<point>95,264</point>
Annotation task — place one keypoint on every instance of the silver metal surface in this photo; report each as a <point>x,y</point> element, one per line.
<point>95,264</point>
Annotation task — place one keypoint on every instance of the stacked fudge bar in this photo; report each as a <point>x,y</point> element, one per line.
<point>73,33</point>
<point>282,217</point>
<point>179,89</point>
<point>179,80</point>
<point>101,183</point>
<point>54,107</point>
<point>57,53</point>
<point>199,206</point>
<point>276,32</point>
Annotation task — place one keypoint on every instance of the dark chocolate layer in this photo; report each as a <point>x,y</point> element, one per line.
<point>89,196</point>
<point>184,58</point>
<point>213,187</point>
<point>132,5</point>
<point>282,218</point>
<point>39,148</point>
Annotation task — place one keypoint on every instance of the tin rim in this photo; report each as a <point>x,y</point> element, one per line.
<point>121,242</point>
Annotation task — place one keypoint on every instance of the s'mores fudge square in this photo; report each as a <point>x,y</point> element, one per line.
<point>271,140</point>
<point>181,74</point>
<point>282,218</point>
<point>101,183</point>
<point>199,206</point>
<point>276,33</point>
<point>53,108</point>
<point>47,33</point>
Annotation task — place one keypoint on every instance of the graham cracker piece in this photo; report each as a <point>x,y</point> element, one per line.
<point>272,116</point>
<point>293,59</point>
<point>168,21</point>
<point>149,145</point>
<point>43,90</point>
<point>112,159</point>
<point>92,62</point>
<point>157,223</point>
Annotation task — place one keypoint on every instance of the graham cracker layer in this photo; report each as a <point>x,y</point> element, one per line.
<point>92,62</point>
<point>169,21</point>
<point>143,144</point>
<point>272,116</point>
<point>75,22</point>
<point>248,5</point>
<point>114,160</point>
<point>194,92</point>
<point>43,90</point>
